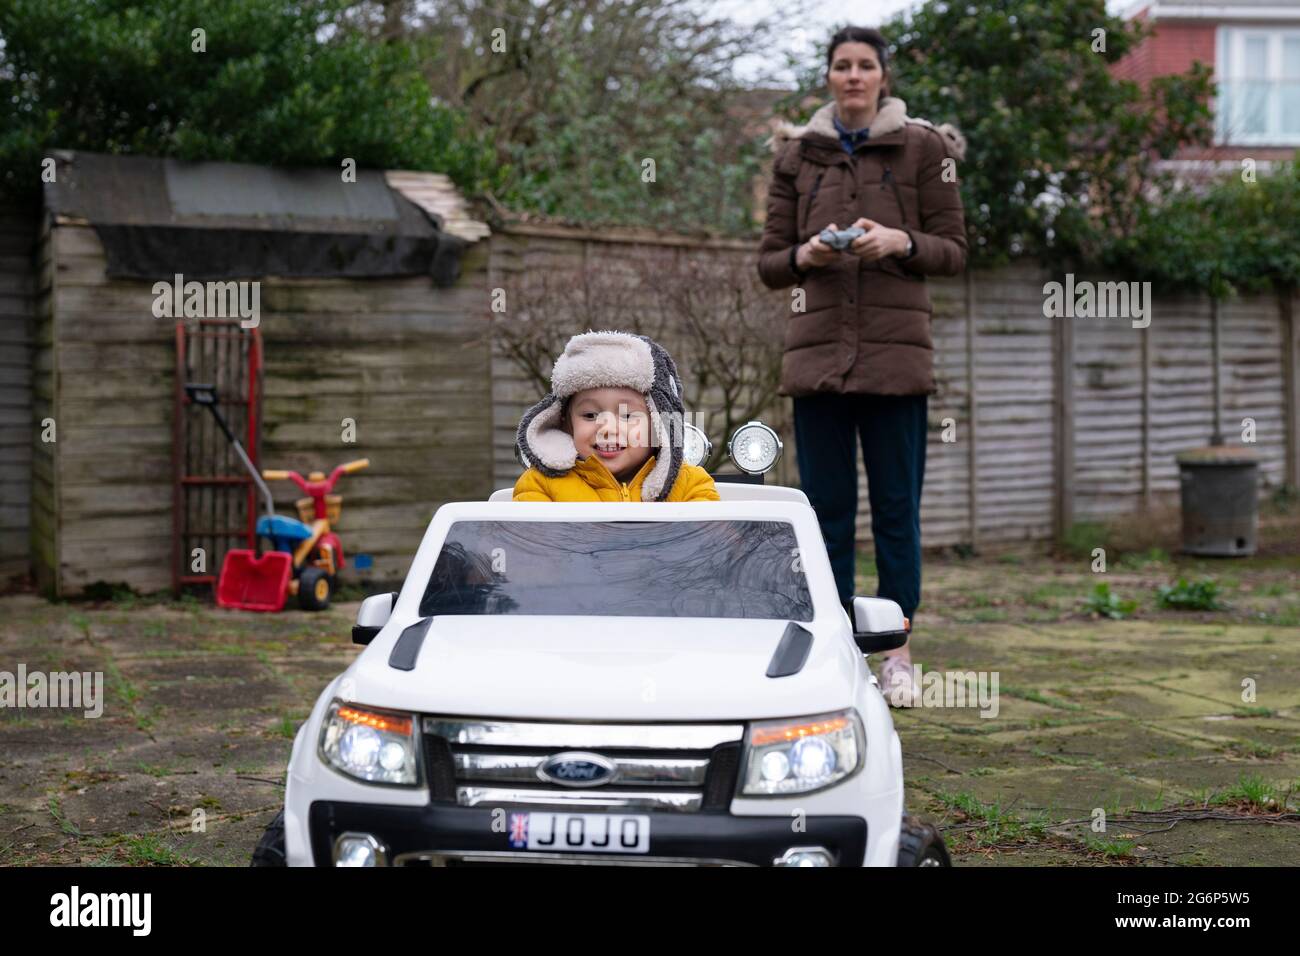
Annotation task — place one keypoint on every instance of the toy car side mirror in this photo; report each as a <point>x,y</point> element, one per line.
<point>878,625</point>
<point>372,616</point>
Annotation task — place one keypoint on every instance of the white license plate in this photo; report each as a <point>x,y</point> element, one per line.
<point>580,832</point>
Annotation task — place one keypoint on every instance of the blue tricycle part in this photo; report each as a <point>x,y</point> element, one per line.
<point>282,526</point>
<point>283,531</point>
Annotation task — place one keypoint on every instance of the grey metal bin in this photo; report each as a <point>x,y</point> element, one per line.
<point>1220,500</point>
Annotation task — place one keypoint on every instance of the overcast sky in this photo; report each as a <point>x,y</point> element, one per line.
<point>816,26</point>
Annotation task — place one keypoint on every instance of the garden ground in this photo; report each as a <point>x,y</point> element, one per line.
<point>1181,727</point>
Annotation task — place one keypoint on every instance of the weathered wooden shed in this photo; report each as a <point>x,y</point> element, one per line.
<point>17,231</point>
<point>372,315</point>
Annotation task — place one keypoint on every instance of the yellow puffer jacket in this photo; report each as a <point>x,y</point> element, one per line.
<point>590,480</point>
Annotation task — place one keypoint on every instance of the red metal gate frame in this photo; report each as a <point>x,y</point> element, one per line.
<point>181,481</point>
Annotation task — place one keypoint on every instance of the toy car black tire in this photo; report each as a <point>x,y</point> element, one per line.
<point>919,844</point>
<point>311,583</point>
<point>270,849</point>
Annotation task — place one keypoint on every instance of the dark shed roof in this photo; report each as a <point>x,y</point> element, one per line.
<point>159,217</point>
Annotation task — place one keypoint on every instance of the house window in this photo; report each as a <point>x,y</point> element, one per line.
<point>1258,86</point>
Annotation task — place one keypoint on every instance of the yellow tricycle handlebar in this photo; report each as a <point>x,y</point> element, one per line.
<point>347,469</point>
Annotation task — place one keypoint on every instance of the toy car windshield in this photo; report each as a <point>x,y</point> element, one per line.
<point>715,568</point>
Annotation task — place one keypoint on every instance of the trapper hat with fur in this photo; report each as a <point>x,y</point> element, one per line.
<point>609,360</point>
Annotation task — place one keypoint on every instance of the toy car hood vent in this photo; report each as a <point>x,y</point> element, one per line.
<point>792,652</point>
<point>406,651</point>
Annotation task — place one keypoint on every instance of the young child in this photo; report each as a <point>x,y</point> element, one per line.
<point>611,427</point>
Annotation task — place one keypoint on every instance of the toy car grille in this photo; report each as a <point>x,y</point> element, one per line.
<point>671,767</point>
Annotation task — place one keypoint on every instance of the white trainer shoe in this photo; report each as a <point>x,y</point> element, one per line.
<point>898,681</point>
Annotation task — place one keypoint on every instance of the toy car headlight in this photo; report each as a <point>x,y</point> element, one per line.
<point>369,745</point>
<point>696,446</point>
<point>754,448</point>
<point>801,755</point>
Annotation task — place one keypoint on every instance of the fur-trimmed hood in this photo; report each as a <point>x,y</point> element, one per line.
<point>889,118</point>
<point>609,359</point>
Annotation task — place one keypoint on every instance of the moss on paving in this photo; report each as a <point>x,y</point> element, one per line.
<point>1179,731</point>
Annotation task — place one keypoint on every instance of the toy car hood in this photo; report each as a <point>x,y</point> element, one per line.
<point>614,667</point>
<point>604,668</point>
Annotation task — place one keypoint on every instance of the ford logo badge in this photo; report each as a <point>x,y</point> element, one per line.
<point>577,769</point>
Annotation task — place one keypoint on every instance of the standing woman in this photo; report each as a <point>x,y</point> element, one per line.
<point>858,357</point>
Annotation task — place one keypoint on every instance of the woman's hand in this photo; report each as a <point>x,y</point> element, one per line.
<point>814,253</point>
<point>878,242</point>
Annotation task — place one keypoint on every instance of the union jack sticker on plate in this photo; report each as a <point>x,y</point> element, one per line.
<point>519,830</point>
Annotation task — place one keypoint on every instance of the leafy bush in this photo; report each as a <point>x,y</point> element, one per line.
<point>1063,153</point>
<point>276,83</point>
<point>1103,601</point>
<point>1237,235</point>
<point>1182,596</point>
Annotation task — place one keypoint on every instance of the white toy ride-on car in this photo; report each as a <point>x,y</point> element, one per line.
<point>609,683</point>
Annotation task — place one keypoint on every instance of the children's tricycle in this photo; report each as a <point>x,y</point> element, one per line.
<point>305,555</point>
<point>621,684</point>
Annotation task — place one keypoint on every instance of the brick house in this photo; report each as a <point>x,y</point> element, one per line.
<point>1254,51</point>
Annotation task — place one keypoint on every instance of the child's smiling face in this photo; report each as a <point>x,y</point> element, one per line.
<point>614,425</point>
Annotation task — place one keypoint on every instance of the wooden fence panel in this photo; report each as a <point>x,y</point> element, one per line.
<point>1138,396</point>
<point>1015,421</point>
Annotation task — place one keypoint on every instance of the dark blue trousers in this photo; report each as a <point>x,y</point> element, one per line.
<point>893,432</point>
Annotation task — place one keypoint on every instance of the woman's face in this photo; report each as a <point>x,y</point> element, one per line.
<point>855,77</point>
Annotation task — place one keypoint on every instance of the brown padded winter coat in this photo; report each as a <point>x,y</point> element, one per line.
<point>866,325</point>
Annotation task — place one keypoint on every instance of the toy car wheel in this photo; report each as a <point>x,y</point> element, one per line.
<point>314,589</point>
<point>919,844</point>
<point>270,849</point>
